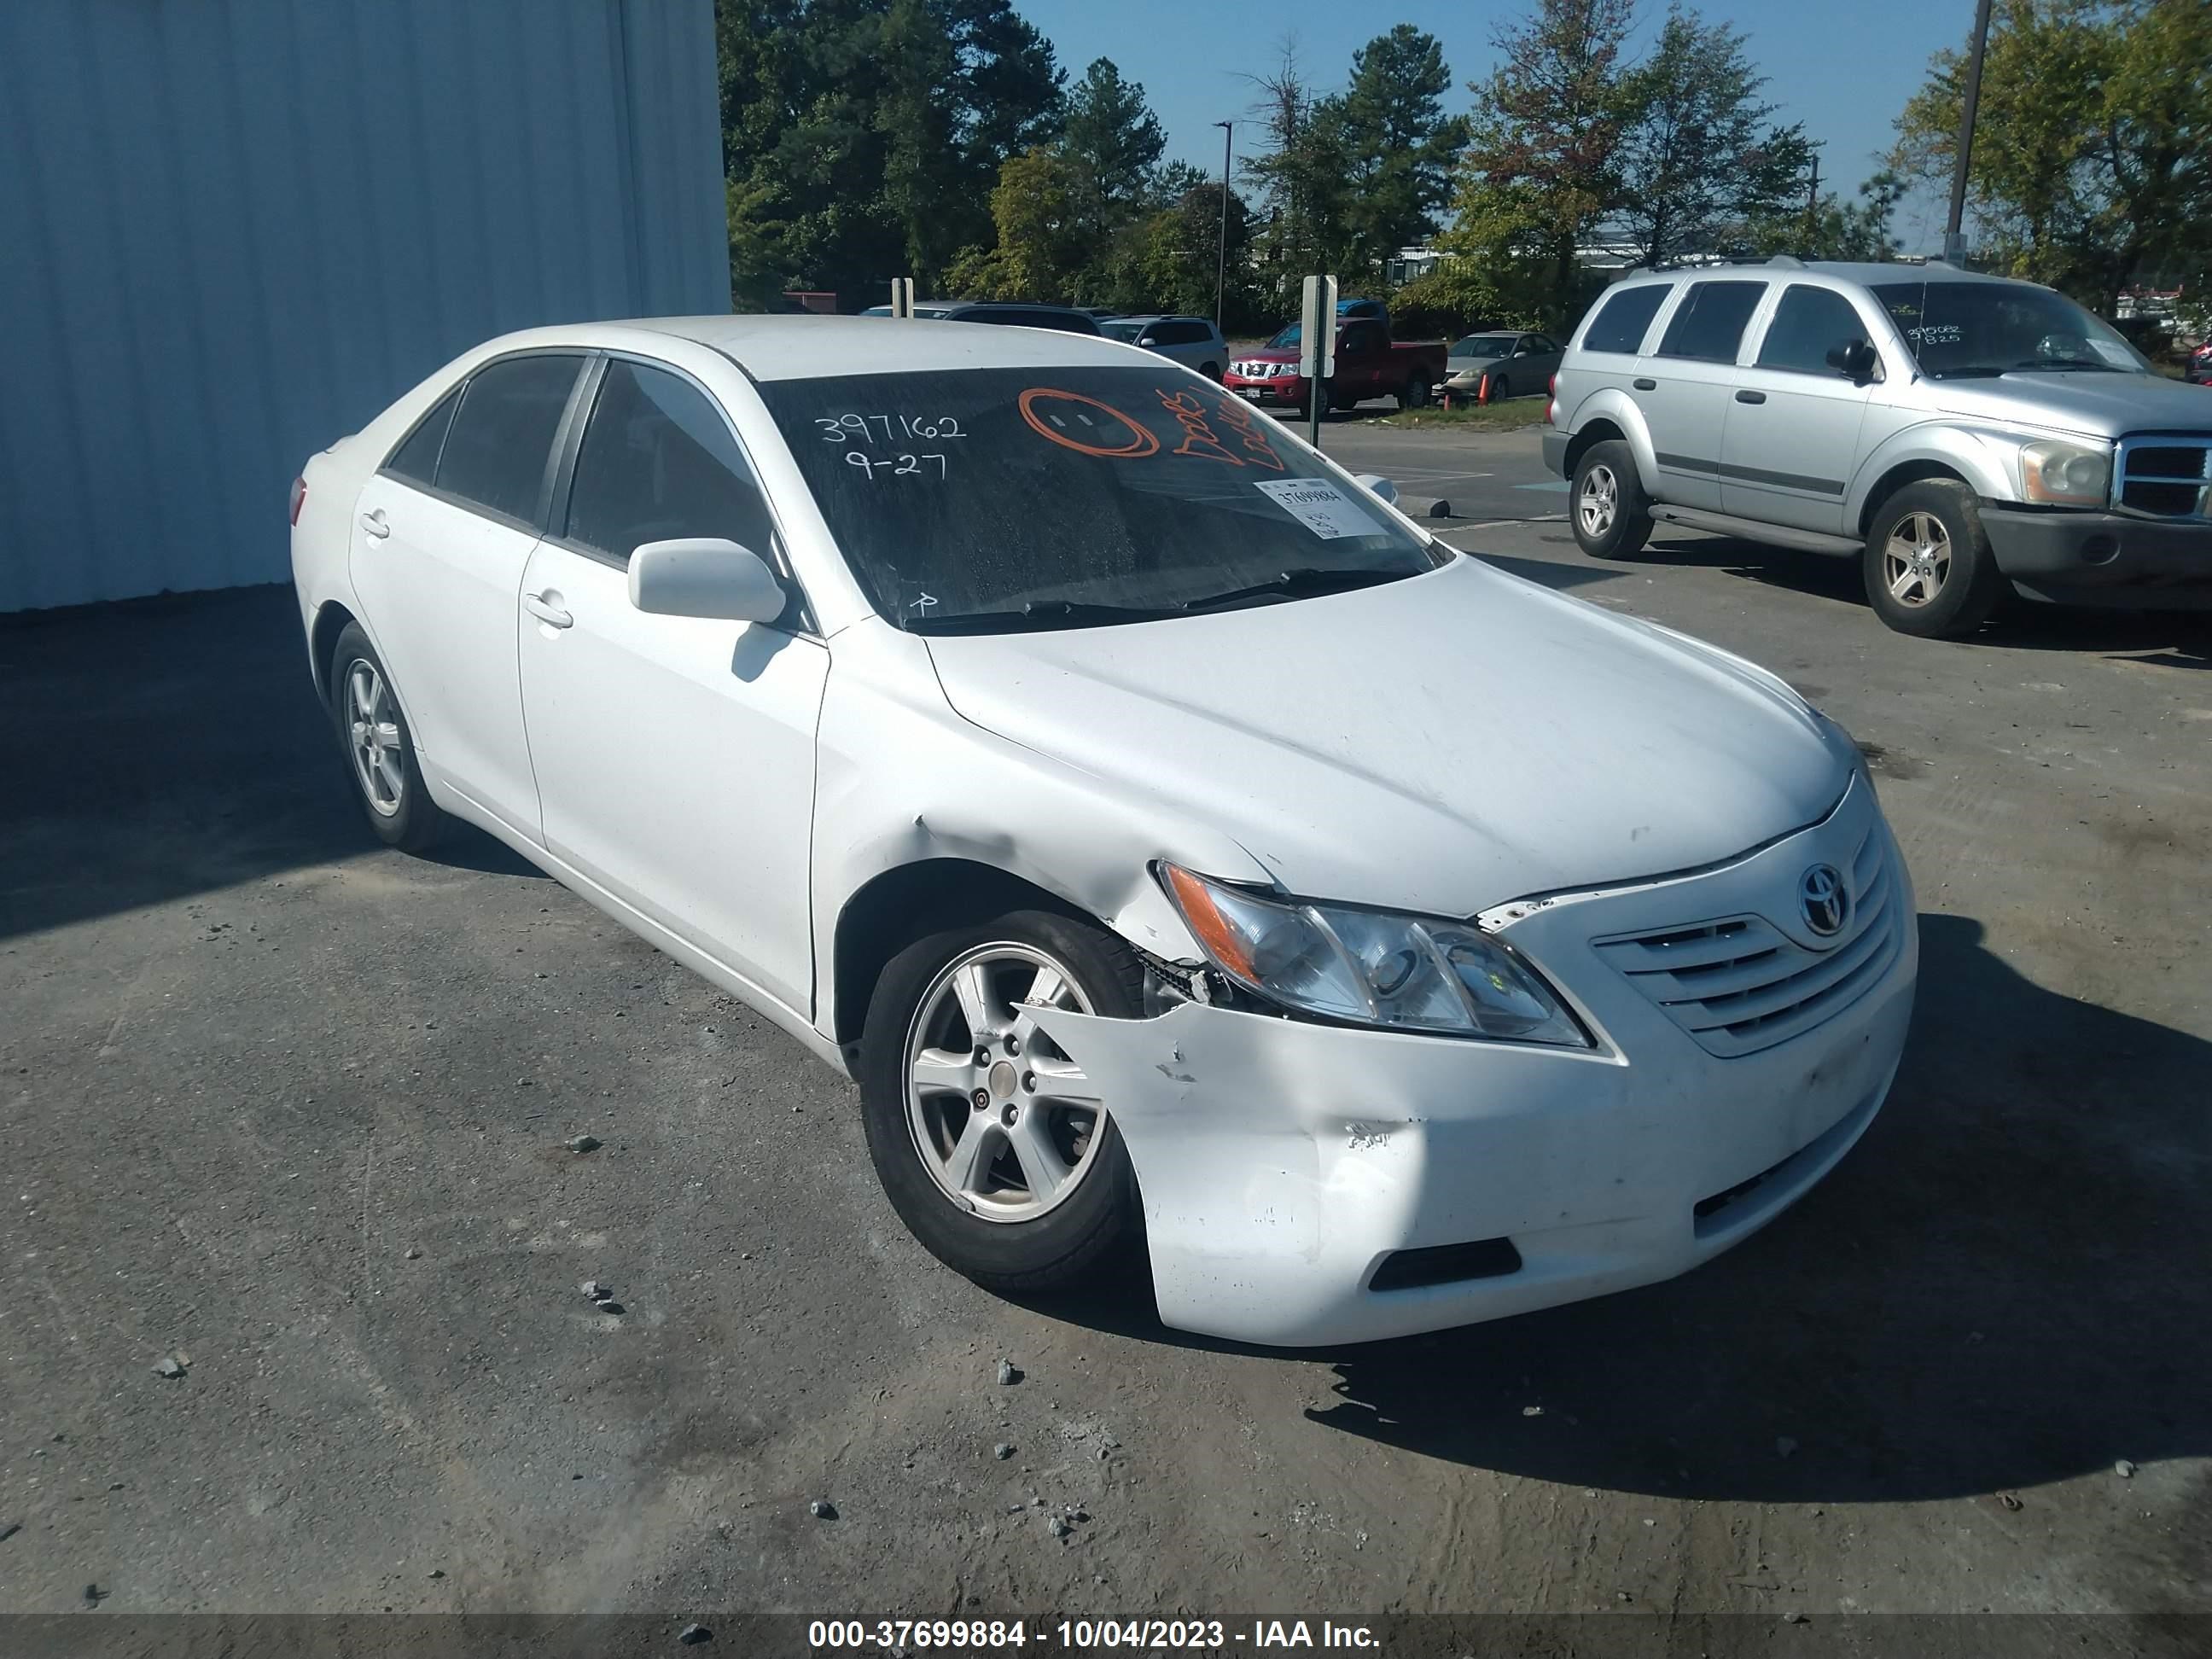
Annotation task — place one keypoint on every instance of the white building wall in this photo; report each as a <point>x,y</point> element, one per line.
<point>233,230</point>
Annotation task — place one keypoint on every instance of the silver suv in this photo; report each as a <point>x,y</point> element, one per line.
<point>1960,435</point>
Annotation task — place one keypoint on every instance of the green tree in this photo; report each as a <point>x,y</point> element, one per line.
<point>2091,163</point>
<point>1041,234</point>
<point>1398,146</point>
<point>861,138</point>
<point>1299,174</point>
<point>1113,136</point>
<point>1863,229</point>
<point>1542,167</point>
<point>1698,161</point>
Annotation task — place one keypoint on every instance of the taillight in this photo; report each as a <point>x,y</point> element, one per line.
<point>1551,401</point>
<point>299,500</point>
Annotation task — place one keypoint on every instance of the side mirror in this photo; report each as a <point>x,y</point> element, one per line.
<point>1147,340</point>
<point>1856,358</point>
<point>704,576</point>
<point>1379,485</point>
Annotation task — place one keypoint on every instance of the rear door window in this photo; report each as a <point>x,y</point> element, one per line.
<point>496,449</point>
<point>1708,325</point>
<point>1623,318</point>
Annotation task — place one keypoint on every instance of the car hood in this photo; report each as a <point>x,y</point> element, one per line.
<point>2089,401</point>
<point>1441,744</point>
<point>1267,354</point>
<point>1461,365</point>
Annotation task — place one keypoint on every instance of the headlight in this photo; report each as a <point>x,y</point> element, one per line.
<point>2066,473</point>
<point>1401,973</point>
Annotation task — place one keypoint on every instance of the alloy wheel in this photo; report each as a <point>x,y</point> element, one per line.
<point>373,738</point>
<point>1600,501</point>
<point>1917,560</point>
<point>1005,1123</point>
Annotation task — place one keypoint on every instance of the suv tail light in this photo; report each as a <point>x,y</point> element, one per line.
<point>1551,401</point>
<point>299,500</point>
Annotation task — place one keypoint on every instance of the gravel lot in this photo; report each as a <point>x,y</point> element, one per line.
<point>290,1109</point>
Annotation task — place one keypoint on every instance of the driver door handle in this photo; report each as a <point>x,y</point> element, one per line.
<point>373,526</point>
<point>546,607</point>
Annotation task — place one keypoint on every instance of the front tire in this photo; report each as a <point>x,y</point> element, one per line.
<point>1500,389</point>
<point>990,1141</point>
<point>1928,567</point>
<point>1607,507</point>
<point>379,749</point>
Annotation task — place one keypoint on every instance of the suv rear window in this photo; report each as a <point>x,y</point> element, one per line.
<point>1708,325</point>
<point>1621,320</point>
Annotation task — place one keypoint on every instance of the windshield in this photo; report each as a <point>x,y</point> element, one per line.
<point>1286,339</point>
<point>1960,330</point>
<point>1485,345</point>
<point>1001,499</point>
<point>1123,331</point>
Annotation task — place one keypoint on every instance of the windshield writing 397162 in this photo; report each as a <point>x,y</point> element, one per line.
<point>891,430</point>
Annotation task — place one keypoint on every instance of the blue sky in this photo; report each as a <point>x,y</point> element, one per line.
<point>1843,69</point>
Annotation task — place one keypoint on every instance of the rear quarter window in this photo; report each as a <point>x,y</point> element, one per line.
<point>1623,318</point>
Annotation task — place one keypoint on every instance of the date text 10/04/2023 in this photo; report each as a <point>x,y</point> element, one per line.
<point>1187,1635</point>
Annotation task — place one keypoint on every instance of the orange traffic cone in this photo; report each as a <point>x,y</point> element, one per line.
<point>1482,390</point>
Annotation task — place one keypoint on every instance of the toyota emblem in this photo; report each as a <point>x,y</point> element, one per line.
<point>1820,894</point>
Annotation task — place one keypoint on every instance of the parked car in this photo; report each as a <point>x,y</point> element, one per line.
<point>1518,365</point>
<point>1962,436</point>
<point>1007,313</point>
<point>1194,342</point>
<point>1369,364</point>
<point>813,653</point>
<point>2200,365</point>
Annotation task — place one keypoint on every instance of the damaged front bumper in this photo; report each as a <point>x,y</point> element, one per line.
<point>1285,1165</point>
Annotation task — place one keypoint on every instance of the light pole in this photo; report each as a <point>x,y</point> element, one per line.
<point>1954,242</point>
<point>1221,242</point>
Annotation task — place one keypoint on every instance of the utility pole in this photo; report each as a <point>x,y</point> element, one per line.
<point>1955,242</point>
<point>1221,243</point>
<point>1813,204</point>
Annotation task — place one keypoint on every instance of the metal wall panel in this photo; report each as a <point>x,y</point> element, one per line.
<point>233,230</point>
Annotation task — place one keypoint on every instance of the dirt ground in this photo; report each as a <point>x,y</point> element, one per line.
<point>291,1107</point>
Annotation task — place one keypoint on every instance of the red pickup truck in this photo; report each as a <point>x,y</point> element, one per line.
<point>1369,364</point>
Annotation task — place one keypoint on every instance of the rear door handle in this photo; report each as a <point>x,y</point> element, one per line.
<point>373,526</point>
<point>546,607</point>
<point>1751,397</point>
<point>1646,385</point>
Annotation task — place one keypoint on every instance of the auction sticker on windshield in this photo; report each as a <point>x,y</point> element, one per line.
<point>1318,505</point>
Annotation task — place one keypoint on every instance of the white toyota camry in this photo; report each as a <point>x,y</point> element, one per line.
<point>1182,850</point>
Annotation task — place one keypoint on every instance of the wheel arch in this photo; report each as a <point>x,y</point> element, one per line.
<point>908,902</point>
<point>1897,477</point>
<point>1611,414</point>
<point>330,619</point>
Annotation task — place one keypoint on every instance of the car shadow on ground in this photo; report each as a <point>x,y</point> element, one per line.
<point>2003,1285</point>
<point>2171,639</point>
<point>192,756</point>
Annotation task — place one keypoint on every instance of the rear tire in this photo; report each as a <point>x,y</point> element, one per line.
<point>1044,1186</point>
<point>379,749</point>
<point>1212,372</point>
<point>1607,507</point>
<point>1414,394</point>
<point>1928,567</point>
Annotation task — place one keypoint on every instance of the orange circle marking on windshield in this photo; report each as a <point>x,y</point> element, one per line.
<point>1146,444</point>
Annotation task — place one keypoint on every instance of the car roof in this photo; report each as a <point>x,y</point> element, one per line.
<point>816,347</point>
<point>1866,273</point>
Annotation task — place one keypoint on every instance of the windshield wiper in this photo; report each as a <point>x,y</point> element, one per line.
<point>1300,584</point>
<point>2069,362</point>
<point>1040,614</point>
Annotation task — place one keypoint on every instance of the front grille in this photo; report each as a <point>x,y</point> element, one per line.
<point>1739,984</point>
<point>2169,477</point>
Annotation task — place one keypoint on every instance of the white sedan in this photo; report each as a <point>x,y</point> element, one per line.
<point>1186,853</point>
